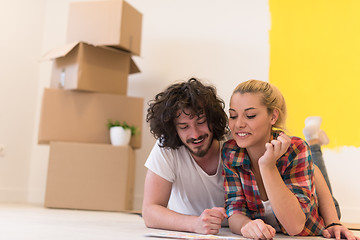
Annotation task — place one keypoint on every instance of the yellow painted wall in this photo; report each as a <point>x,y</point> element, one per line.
<point>315,62</point>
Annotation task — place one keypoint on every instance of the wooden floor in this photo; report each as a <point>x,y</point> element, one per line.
<point>30,222</point>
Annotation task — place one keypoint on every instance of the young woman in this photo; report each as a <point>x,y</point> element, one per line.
<point>269,177</point>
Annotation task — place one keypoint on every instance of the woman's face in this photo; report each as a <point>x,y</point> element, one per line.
<point>249,120</point>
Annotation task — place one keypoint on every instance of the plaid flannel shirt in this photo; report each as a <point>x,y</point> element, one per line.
<point>297,171</point>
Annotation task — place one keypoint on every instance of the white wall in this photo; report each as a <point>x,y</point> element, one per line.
<point>343,169</point>
<point>21,26</point>
<point>211,40</point>
<point>220,42</point>
<point>53,35</point>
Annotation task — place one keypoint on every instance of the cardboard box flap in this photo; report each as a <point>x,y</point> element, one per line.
<point>60,51</point>
<point>133,67</point>
<point>63,50</point>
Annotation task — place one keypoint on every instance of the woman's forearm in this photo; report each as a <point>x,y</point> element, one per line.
<point>237,221</point>
<point>284,203</point>
<point>326,204</point>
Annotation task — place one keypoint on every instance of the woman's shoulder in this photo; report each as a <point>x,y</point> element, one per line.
<point>299,151</point>
<point>298,143</point>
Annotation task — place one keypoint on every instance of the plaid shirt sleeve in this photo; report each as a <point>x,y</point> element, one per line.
<point>299,173</point>
<point>235,201</point>
<point>298,176</point>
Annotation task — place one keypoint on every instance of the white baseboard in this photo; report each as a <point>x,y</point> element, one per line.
<point>36,196</point>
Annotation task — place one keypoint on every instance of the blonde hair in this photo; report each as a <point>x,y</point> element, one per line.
<point>271,98</point>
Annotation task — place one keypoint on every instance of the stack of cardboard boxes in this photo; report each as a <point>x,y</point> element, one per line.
<point>88,87</point>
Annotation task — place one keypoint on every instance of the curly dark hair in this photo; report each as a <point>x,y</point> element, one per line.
<point>191,94</point>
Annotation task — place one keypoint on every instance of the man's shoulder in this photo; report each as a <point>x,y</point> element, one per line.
<point>181,151</point>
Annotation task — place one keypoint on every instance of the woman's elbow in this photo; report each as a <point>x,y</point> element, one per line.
<point>295,229</point>
<point>295,225</point>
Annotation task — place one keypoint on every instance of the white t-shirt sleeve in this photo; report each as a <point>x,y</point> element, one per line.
<point>162,162</point>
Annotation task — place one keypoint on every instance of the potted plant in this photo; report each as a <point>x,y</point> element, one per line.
<point>120,133</point>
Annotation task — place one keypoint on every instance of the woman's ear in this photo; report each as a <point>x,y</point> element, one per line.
<point>274,116</point>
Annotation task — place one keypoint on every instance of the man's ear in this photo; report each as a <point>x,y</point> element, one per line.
<point>274,116</point>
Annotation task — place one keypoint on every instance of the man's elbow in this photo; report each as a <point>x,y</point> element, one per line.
<point>150,219</point>
<point>147,219</point>
<point>149,224</point>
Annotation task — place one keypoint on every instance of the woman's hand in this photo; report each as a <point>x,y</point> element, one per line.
<point>274,150</point>
<point>339,231</point>
<point>257,229</point>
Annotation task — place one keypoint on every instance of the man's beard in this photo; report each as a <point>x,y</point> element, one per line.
<point>200,152</point>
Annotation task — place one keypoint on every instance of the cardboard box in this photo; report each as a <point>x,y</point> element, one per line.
<point>81,66</point>
<point>90,176</point>
<point>112,23</point>
<point>73,116</point>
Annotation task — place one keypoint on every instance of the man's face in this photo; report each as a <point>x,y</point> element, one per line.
<point>194,132</point>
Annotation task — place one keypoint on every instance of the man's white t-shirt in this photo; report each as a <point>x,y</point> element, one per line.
<point>193,190</point>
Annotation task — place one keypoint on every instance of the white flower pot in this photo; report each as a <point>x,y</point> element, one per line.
<point>120,136</point>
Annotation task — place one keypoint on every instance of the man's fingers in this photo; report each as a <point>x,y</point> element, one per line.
<point>221,210</point>
<point>213,227</point>
<point>212,216</point>
<point>208,223</point>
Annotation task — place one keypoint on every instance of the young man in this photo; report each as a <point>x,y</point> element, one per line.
<point>184,184</point>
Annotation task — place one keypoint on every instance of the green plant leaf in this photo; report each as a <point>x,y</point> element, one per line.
<point>110,123</point>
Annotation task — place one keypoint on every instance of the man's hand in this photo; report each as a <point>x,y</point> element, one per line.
<point>209,222</point>
<point>257,229</point>
<point>274,150</point>
<point>338,231</point>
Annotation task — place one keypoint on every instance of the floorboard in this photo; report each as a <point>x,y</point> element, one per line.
<point>32,222</point>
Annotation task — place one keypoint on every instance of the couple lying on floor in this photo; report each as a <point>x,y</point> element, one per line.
<point>259,182</point>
